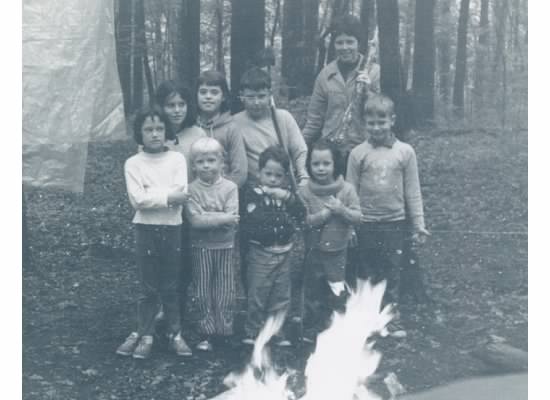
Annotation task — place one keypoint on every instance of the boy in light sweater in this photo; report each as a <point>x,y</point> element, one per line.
<point>384,172</point>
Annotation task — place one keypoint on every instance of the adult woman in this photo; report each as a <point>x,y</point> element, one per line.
<point>335,86</point>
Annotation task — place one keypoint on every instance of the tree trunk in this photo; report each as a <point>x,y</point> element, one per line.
<point>247,40</point>
<point>482,51</point>
<point>408,43</point>
<point>367,20</point>
<point>123,51</point>
<point>188,44</point>
<point>460,65</point>
<point>424,61</point>
<point>391,80</point>
<point>298,53</point>
<point>139,47</point>
<point>444,51</point>
<point>220,55</point>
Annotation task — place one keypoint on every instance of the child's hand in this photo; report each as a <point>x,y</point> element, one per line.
<point>420,235</point>
<point>277,193</point>
<point>335,205</point>
<point>232,220</point>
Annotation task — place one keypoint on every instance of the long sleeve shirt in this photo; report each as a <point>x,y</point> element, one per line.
<point>386,180</point>
<point>223,130</point>
<point>259,135</point>
<point>150,178</point>
<point>206,209</point>
<point>330,98</point>
<point>334,232</point>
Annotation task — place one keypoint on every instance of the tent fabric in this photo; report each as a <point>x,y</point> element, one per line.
<point>71,90</point>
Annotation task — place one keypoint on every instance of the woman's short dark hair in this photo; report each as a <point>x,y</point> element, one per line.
<point>168,88</point>
<point>215,78</point>
<point>348,25</point>
<point>277,154</point>
<point>151,112</point>
<point>337,157</point>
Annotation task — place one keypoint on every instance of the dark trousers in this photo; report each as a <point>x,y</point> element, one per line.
<point>158,260</point>
<point>381,249</point>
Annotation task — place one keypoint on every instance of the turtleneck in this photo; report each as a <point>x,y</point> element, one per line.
<point>326,190</point>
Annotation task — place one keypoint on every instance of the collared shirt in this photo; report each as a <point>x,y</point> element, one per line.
<point>329,101</point>
<point>389,142</point>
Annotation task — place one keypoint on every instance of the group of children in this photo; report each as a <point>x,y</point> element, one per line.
<point>197,181</point>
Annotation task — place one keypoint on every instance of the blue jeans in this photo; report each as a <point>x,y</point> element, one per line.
<point>159,263</point>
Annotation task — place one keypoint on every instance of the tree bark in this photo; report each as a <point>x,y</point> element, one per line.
<point>391,79</point>
<point>424,61</point>
<point>482,50</point>
<point>139,47</point>
<point>220,55</point>
<point>123,51</point>
<point>460,65</point>
<point>188,44</point>
<point>247,40</point>
<point>298,52</point>
<point>368,22</point>
<point>408,43</point>
<point>444,51</point>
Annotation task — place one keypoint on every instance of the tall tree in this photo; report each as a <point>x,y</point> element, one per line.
<point>499,68</point>
<point>368,21</point>
<point>220,55</point>
<point>407,51</point>
<point>138,54</point>
<point>391,79</point>
<point>482,51</point>
<point>424,61</point>
<point>444,50</point>
<point>298,51</point>
<point>123,53</point>
<point>461,58</point>
<point>188,44</point>
<point>247,39</point>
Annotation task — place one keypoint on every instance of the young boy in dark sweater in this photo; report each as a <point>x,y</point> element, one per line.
<point>269,215</point>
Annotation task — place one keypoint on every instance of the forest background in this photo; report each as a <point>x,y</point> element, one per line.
<point>458,72</point>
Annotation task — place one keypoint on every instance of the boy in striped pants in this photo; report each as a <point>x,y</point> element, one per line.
<point>213,213</point>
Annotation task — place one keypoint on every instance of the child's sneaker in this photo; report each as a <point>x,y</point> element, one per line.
<point>180,346</point>
<point>143,349</point>
<point>205,345</point>
<point>127,348</point>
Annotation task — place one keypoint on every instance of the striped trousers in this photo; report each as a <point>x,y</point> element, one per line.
<point>214,283</point>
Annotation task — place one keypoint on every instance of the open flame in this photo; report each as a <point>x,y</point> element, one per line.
<point>341,363</point>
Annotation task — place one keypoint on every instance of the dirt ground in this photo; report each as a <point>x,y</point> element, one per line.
<point>79,290</point>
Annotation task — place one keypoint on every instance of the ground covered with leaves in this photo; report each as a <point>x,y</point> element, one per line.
<point>80,289</point>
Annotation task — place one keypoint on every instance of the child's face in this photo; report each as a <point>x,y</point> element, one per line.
<point>379,124</point>
<point>322,166</point>
<point>209,99</point>
<point>153,133</point>
<point>176,109</point>
<point>256,102</point>
<point>272,174</point>
<point>208,166</point>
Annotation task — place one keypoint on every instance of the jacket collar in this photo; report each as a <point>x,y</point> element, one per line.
<point>389,142</point>
<point>332,68</point>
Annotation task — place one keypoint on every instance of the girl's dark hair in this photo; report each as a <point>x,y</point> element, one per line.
<point>337,157</point>
<point>167,89</point>
<point>348,25</point>
<point>277,154</point>
<point>215,78</point>
<point>255,79</point>
<point>151,112</point>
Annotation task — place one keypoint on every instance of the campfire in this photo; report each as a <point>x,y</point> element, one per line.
<point>340,365</point>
